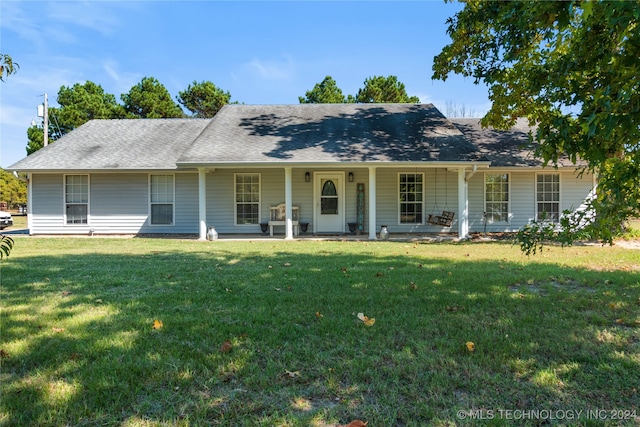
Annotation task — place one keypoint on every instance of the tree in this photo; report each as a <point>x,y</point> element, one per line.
<point>452,109</point>
<point>203,99</point>
<point>378,89</point>
<point>7,66</point>
<point>12,190</point>
<point>325,92</point>
<point>78,104</point>
<point>572,69</point>
<point>83,102</point>
<point>35,138</point>
<point>150,99</point>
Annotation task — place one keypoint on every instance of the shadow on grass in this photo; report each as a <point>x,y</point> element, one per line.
<point>79,345</point>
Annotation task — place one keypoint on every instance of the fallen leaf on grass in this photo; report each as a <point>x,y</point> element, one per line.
<point>99,301</point>
<point>368,321</point>
<point>286,264</point>
<point>4,354</point>
<point>319,315</point>
<point>470,346</point>
<point>226,347</point>
<point>379,274</point>
<point>292,374</point>
<point>57,330</point>
<point>157,324</point>
<point>454,308</point>
<point>413,286</point>
<point>66,293</point>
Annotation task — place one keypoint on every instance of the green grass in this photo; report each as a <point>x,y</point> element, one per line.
<point>558,331</point>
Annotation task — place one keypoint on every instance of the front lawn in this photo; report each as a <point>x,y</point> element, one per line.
<point>146,332</point>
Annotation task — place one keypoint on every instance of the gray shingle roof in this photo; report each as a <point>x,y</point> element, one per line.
<point>504,148</point>
<point>269,134</point>
<point>329,133</point>
<point>117,145</point>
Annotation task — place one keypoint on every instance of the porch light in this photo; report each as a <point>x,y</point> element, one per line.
<point>350,176</point>
<point>307,177</point>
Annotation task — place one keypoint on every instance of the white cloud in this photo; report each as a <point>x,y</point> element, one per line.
<point>272,69</point>
<point>101,17</point>
<point>121,82</point>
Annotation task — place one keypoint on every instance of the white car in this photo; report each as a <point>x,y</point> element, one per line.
<point>5,220</point>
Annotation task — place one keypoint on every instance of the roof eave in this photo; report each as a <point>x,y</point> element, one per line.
<point>336,164</point>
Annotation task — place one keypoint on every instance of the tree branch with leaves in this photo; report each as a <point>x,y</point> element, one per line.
<point>572,69</point>
<point>7,66</point>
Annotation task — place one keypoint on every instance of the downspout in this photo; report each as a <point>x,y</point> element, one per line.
<point>202,203</point>
<point>463,205</point>
<point>473,172</point>
<point>30,203</point>
<point>372,203</point>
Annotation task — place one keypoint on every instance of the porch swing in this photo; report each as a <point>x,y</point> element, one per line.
<point>446,218</point>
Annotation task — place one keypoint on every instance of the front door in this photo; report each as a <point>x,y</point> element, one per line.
<point>329,202</point>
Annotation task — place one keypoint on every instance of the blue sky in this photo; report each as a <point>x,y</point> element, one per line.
<point>267,52</point>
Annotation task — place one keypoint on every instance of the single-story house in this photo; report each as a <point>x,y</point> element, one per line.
<point>328,168</point>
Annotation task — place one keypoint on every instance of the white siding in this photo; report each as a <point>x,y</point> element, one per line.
<point>47,210</point>
<point>119,202</point>
<point>522,193</point>
<point>440,193</point>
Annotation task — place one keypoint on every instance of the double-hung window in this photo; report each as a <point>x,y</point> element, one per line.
<point>161,196</point>
<point>548,197</point>
<point>247,198</point>
<point>411,193</point>
<point>76,199</point>
<point>496,197</point>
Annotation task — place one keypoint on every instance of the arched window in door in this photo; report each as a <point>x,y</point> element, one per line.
<point>329,198</point>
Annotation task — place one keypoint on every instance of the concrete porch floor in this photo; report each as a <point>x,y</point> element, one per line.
<point>393,237</point>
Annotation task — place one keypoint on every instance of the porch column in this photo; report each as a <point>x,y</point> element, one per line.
<point>372,203</point>
<point>463,205</point>
<point>202,203</point>
<point>288,204</point>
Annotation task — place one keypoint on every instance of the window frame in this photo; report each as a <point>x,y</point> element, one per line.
<point>66,204</point>
<point>414,202</point>
<point>173,200</point>
<point>558,202</point>
<point>236,203</point>
<point>505,216</point>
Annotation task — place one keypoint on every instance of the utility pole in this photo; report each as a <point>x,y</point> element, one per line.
<point>45,119</point>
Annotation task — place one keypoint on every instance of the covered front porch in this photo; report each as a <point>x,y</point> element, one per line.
<point>345,200</point>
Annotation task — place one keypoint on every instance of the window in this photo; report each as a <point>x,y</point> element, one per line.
<point>411,194</point>
<point>496,202</point>
<point>161,195</point>
<point>76,198</point>
<point>329,198</point>
<point>247,198</point>
<point>548,197</point>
